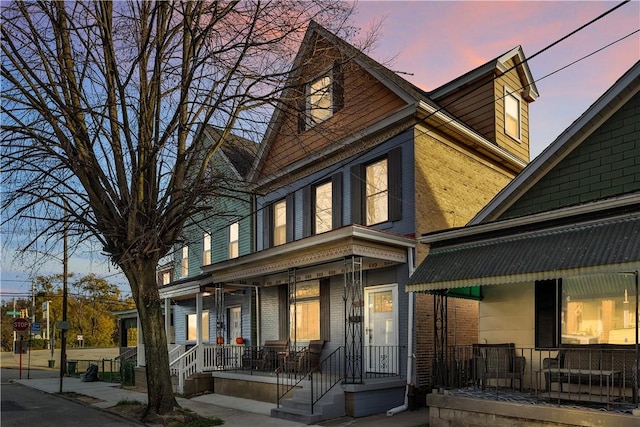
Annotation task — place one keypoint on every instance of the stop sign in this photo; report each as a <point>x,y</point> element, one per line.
<point>20,324</point>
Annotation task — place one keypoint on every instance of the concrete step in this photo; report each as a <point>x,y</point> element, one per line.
<point>298,407</point>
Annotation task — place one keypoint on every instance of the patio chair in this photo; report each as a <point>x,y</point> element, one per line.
<point>497,361</point>
<point>305,360</point>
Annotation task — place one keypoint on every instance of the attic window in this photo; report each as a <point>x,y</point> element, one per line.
<point>512,114</point>
<point>323,98</point>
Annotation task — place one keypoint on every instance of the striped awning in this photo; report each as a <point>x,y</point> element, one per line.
<point>594,248</point>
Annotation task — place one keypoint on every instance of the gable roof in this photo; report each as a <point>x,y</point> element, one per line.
<point>239,152</point>
<point>603,108</point>
<point>499,64</point>
<point>417,100</point>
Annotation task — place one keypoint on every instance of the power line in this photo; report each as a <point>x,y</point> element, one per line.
<point>340,165</point>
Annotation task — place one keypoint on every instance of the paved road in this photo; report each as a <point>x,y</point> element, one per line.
<point>24,406</point>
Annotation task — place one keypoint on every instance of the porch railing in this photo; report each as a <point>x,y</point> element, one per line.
<point>380,362</point>
<point>596,375</point>
<point>184,366</point>
<point>321,378</point>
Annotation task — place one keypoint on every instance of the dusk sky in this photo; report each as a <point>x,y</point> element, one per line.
<point>437,41</point>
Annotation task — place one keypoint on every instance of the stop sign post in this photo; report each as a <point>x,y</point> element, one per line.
<point>20,325</point>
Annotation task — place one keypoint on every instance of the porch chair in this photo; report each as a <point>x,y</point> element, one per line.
<point>274,352</point>
<point>497,361</point>
<point>305,360</point>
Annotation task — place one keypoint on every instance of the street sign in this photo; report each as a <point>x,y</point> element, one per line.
<point>36,328</point>
<point>65,326</point>
<point>13,313</point>
<point>20,324</point>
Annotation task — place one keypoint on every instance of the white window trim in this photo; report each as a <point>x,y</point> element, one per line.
<point>234,243</point>
<point>206,248</point>
<point>184,270</point>
<point>507,94</point>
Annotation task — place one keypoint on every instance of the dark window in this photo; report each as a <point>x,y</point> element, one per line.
<point>548,306</point>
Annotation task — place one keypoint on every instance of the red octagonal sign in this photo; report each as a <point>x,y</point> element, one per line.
<point>20,324</point>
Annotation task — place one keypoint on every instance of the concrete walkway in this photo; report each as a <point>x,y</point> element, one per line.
<point>233,410</point>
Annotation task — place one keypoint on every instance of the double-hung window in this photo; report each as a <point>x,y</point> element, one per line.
<point>376,189</point>
<point>280,223</point>
<point>233,240</point>
<point>323,207</point>
<point>185,261</point>
<point>206,248</point>
<point>323,97</point>
<point>192,327</point>
<point>512,114</point>
<point>377,192</point>
<point>319,101</point>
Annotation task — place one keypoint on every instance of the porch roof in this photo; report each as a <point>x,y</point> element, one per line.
<point>595,247</point>
<point>314,257</point>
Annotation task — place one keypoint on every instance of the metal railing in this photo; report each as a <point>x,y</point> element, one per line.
<point>598,375</point>
<point>380,362</point>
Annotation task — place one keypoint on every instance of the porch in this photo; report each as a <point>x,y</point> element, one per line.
<point>573,383</point>
<point>300,386</point>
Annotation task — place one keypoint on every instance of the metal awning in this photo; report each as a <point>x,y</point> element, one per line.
<point>602,247</point>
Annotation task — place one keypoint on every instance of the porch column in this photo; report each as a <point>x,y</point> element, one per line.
<point>167,320</point>
<point>354,319</point>
<point>199,350</point>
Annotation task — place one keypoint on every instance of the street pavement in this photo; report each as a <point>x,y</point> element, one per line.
<point>233,410</point>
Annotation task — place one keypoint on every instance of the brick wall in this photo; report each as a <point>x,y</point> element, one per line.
<point>452,185</point>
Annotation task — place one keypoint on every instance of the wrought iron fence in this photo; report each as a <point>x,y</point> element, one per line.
<point>602,375</point>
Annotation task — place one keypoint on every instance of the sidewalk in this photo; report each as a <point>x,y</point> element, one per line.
<point>233,410</point>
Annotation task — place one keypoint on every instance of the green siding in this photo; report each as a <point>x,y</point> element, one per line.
<point>606,164</point>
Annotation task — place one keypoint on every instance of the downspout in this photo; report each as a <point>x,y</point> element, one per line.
<point>410,355</point>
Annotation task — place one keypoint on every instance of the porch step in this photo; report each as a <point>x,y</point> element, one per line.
<point>298,407</point>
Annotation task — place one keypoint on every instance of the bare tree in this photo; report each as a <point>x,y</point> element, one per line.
<point>102,106</point>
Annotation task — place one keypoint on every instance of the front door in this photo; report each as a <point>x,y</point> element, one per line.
<point>381,329</point>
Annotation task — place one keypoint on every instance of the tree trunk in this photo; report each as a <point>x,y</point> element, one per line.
<point>161,399</point>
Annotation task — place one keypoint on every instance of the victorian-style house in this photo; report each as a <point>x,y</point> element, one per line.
<point>356,162</point>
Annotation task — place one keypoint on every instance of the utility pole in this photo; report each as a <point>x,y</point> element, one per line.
<point>63,338</point>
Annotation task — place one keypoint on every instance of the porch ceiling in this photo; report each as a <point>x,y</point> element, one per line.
<point>603,247</point>
<point>315,257</point>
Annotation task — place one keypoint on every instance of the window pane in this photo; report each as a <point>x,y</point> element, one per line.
<point>512,116</point>
<point>206,249</point>
<point>319,101</point>
<point>185,261</point>
<point>323,208</point>
<point>233,240</point>
<point>192,326</point>
<point>305,320</point>
<point>377,192</point>
<point>280,223</point>
<point>598,312</point>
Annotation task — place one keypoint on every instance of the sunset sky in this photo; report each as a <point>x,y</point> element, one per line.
<point>438,41</point>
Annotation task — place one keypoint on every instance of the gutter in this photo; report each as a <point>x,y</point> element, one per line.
<point>410,356</point>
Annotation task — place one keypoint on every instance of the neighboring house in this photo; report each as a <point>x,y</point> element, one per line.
<point>554,261</point>
<point>355,163</point>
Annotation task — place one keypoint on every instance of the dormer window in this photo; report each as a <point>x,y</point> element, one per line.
<point>323,97</point>
<point>512,114</point>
